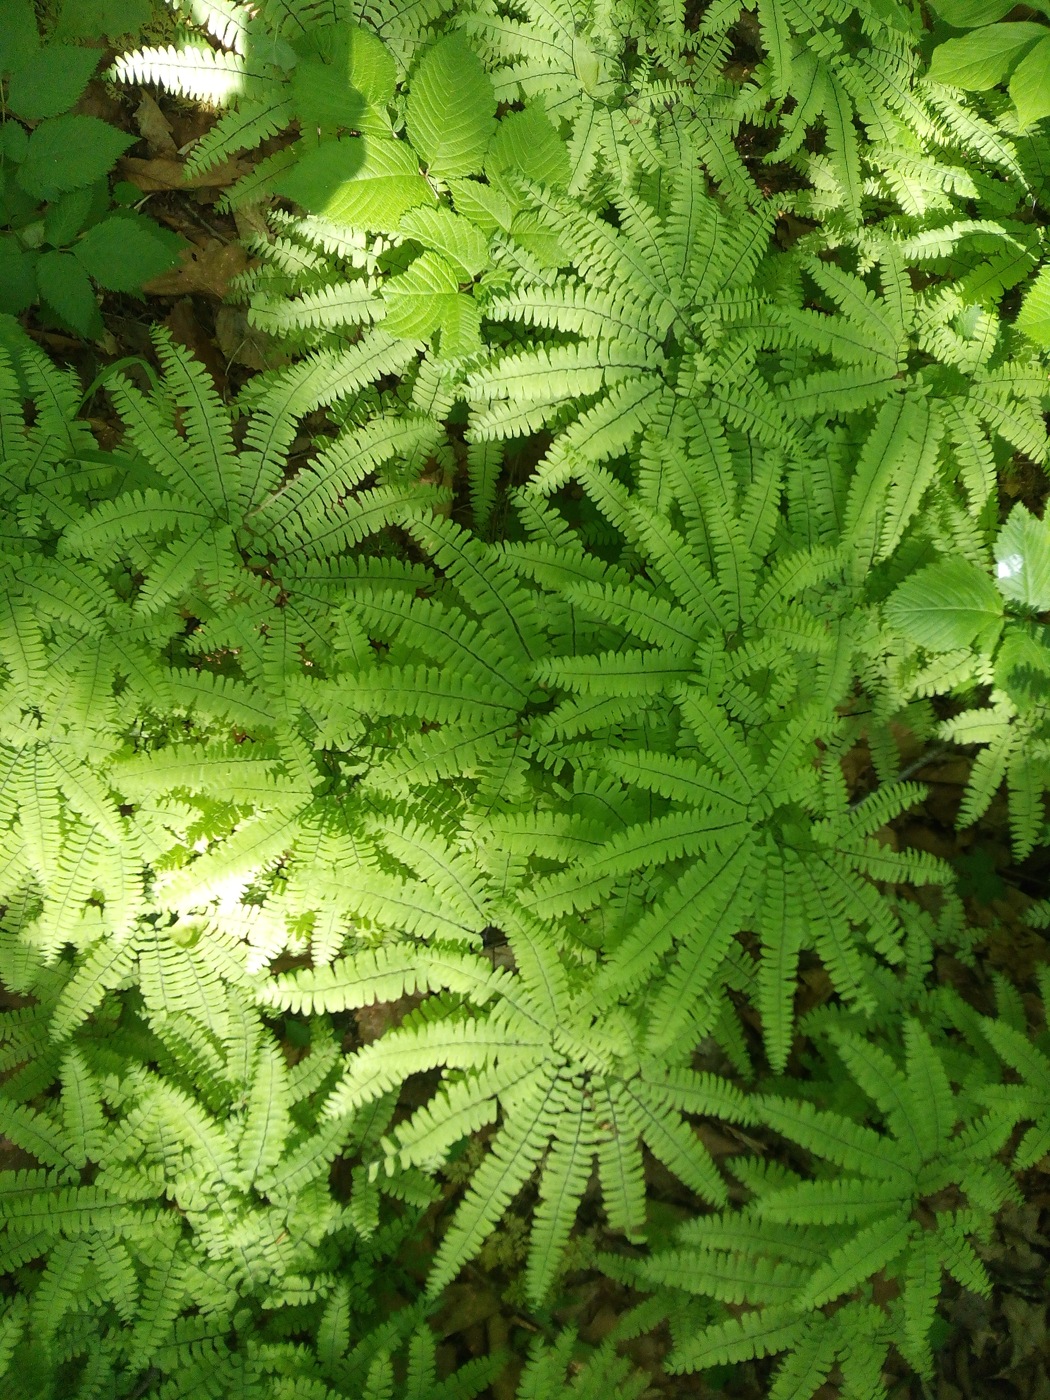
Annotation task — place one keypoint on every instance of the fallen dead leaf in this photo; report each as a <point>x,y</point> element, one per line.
<point>953,772</point>
<point>1027,1324</point>
<point>242,344</point>
<point>375,1020</point>
<point>716,1143</point>
<point>97,102</point>
<point>464,1306</point>
<point>251,221</point>
<point>974,1318</point>
<point>886,836</point>
<point>206,269</point>
<point>924,838</point>
<point>168,173</point>
<point>187,330</point>
<point>154,126</point>
<point>855,763</point>
<point>816,988</point>
<point>13,1157</point>
<point>189,124</point>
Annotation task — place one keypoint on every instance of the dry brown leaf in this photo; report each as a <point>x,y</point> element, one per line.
<point>251,222</point>
<point>242,344</point>
<point>1027,1329</point>
<point>375,1020</point>
<point>923,838</point>
<point>855,763</point>
<point>189,124</point>
<point>207,270</point>
<point>187,330</point>
<point>97,102</point>
<point>154,126</point>
<point>168,173</point>
<point>716,1143</point>
<point>464,1306</point>
<point>13,1157</point>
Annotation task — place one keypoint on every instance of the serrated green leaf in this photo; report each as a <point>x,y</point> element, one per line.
<point>17,277</point>
<point>527,143</point>
<point>483,205</point>
<point>967,14</point>
<point>344,77</point>
<point>363,182</point>
<point>65,153</point>
<point>51,81</point>
<point>978,61</point>
<point>1033,320</point>
<point>87,19</point>
<point>67,290</point>
<point>73,211</point>
<point>14,142</point>
<point>948,604</point>
<point>355,58</point>
<point>1030,84</point>
<point>18,34</point>
<point>124,251</point>
<point>1022,555</point>
<point>451,113</point>
<point>427,299</point>
<point>125,194</point>
<point>322,96</point>
<point>449,234</point>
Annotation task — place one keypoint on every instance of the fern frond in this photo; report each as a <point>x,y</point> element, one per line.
<point>515,1152</point>
<point>384,974</point>
<point>195,71</point>
<point>757,1332</point>
<point>839,1139</point>
<point>871,1249</point>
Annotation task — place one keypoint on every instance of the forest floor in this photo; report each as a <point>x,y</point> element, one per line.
<point>995,1348</point>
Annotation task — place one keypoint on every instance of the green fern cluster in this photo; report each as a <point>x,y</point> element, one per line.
<point>897,1195</point>
<point>514,700</point>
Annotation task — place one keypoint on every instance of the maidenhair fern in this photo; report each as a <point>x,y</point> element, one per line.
<point>867,1210</point>
<point>494,674</point>
<point>571,1089</point>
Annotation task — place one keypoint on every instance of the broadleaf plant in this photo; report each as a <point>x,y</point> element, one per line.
<point>61,238</point>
